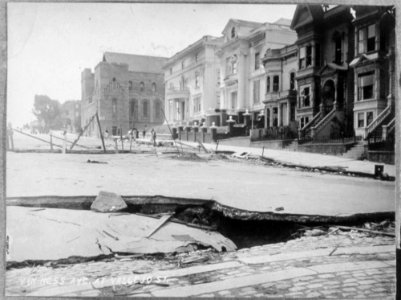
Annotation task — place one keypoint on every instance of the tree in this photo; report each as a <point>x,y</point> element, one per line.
<point>47,111</point>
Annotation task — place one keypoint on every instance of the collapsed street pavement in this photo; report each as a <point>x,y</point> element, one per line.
<point>333,265</point>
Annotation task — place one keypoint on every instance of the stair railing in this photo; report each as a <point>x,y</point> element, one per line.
<point>376,122</point>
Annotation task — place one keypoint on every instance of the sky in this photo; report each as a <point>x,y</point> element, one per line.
<point>49,44</point>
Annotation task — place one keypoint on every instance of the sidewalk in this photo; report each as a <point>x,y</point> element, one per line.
<point>305,159</point>
<point>337,265</point>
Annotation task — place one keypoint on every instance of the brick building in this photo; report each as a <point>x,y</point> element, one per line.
<point>126,90</point>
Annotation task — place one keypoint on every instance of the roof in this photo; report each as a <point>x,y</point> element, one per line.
<point>203,41</point>
<point>283,21</point>
<point>242,23</point>
<point>136,63</point>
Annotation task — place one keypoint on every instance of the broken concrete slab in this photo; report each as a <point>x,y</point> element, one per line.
<point>108,202</point>
<point>53,234</point>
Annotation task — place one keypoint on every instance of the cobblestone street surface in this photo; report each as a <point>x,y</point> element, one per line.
<point>335,265</point>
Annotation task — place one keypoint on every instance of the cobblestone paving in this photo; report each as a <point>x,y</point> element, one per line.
<point>361,281</point>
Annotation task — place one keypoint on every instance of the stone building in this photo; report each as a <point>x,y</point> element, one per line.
<point>71,115</point>
<point>126,90</point>
<point>191,83</point>
<point>243,78</point>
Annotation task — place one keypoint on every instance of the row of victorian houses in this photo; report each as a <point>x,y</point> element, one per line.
<point>326,74</point>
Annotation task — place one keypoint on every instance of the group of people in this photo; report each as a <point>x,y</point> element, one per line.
<point>133,134</point>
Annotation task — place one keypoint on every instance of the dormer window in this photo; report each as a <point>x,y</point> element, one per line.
<point>367,39</point>
<point>233,32</point>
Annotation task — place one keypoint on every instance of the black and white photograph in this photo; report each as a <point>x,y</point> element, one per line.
<point>201,150</point>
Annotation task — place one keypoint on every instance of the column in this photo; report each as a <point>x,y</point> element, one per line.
<point>279,114</point>
<point>266,125</point>
<point>271,117</point>
<point>242,80</point>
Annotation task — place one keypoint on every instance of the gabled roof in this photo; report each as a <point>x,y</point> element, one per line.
<point>244,23</point>
<point>136,63</point>
<point>305,14</point>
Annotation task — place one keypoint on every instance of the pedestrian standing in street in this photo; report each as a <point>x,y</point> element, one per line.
<point>153,136</point>
<point>144,132</point>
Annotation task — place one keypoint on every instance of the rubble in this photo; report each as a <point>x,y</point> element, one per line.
<point>108,202</point>
<point>89,234</point>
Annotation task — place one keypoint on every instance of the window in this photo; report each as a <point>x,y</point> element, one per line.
<point>267,84</point>
<point>141,86</point>
<point>197,104</point>
<point>196,80</point>
<point>337,48</point>
<point>369,117</point>
<point>171,71</point>
<point>158,109</point>
<point>130,85</point>
<point>256,91</point>
<point>218,77</point>
<point>228,66</point>
<point>145,108</point>
<point>365,86</point>
<point>308,55</point>
<point>196,57</point>
<point>302,58</point>
<point>234,100</point>
<point>361,120</point>
<point>182,65</point>
<point>133,107</point>
<point>114,130</point>
<point>114,79</point>
<point>305,97</point>
<point>367,39</point>
<point>233,33</point>
<point>257,63</point>
<point>154,87</point>
<point>276,85</point>
<point>234,64</point>
<point>114,107</point>
<point>171,86</point>
<point>292,81</point>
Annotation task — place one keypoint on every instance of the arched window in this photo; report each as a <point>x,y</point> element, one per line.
<point>292,81</point>
<point>154,87</point>
<point>158,108</point>
<point>130,85</point>
<point>267,84</point>
<point>141,86</point>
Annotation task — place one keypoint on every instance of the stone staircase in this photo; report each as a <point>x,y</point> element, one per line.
<point>356,152</point>
<point>293,146</point>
